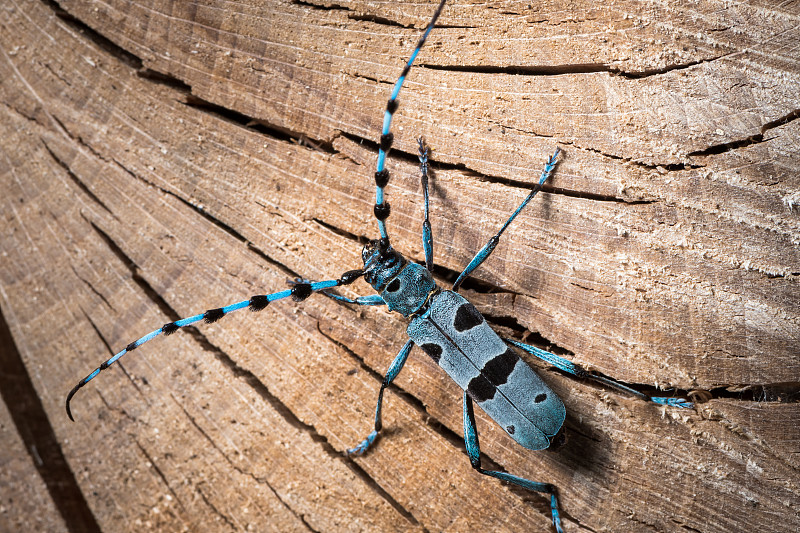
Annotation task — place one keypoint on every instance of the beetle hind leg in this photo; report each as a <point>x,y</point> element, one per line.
<point>474,452</point>
<point>394,369</point>
<point>576,370</point>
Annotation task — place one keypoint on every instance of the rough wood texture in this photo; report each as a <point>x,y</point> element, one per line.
<point>25,504</point>
<point>160,158</point>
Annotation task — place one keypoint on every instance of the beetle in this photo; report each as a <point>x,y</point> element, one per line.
<point>444,324</point>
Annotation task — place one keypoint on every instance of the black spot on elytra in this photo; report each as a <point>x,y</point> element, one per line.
<point>394,286</point>
<point>481,389</point>
<point>511,430</point>
<point>540,398</point>
<point>500,367</point>
<point>432,349</point>
<point>467,317</point>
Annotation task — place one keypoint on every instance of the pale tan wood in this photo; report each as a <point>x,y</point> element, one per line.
<point>138,187</point>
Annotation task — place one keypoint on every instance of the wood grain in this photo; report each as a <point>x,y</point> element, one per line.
<point>161,158</point>
<point>26,503</point>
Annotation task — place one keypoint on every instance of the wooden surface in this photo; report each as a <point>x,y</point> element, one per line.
<point>26,504</point>
<point>160,158</point>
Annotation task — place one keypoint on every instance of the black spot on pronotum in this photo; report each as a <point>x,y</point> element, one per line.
<point>481,389</point>
<point>467,317</point>
<point>511,429</point>
<point>301,291</point>
<point>212,315</point>
<point>169,328</point>
<point>540,398</point>
<point>394,286</point>
<point>500,367</point>
<point>432,349</point>
<point>258,302</point>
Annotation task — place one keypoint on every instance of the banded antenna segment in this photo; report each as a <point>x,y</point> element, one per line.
<point>382,208</point>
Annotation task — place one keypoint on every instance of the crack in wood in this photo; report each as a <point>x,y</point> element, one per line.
<point>37,434</point>
<point>661,167</point>
<point>75,179</point>
<point>93,289</point>
<point>160,78</point>
<point>121,410</point>
<point>225,518</point>
<point>517,184</point>
<point>351,14</point>
<point>232,464</point>
<point>787,392</point>
<point>559,70</point>
<point>257,125</point>
<point>87,31</point>
<point>354,15</point>
<point>159,473</point>
<point>729,146</point>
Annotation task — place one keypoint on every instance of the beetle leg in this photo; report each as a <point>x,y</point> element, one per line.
<point>427,235</point>
<point>578,371</point>
<point>372,299</point>
<point>394,369</point>
<point>474,452</point>
<point>489,247</point>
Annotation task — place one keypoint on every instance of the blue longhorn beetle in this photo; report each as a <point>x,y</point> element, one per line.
<point>444,324</point>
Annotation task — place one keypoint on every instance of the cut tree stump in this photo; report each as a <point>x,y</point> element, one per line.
<point>161,158</point>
